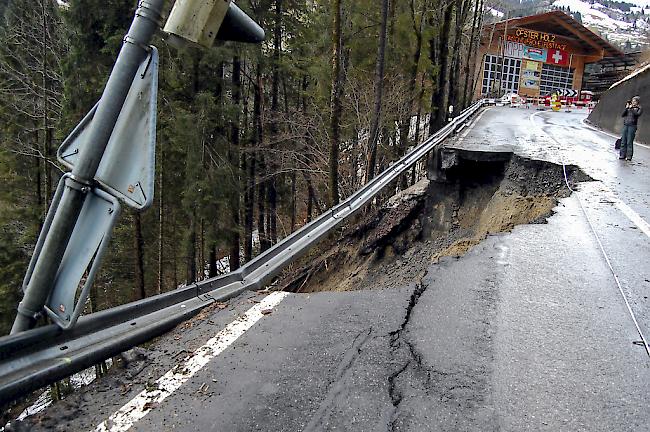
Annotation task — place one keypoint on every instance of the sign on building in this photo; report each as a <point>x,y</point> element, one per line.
<point>531,73</point>
<point>537,39</point>
<point>518,50</point>
<point>558,57</point>
<point>555,57</point>
<point>535,54</point>
<point>514,49</point>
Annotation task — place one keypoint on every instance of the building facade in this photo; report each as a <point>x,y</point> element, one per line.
<point>538,55</point>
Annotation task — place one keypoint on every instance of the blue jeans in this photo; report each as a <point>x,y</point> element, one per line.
<point>627,141</point>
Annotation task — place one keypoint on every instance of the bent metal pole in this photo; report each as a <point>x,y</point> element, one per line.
<point>134,50</point>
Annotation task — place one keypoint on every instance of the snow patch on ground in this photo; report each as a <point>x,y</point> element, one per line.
<point>495,13</point>
<point>78,380</point>
<point>609,22</point>
<point>591,15</point>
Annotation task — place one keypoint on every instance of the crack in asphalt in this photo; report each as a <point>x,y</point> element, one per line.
<point>395,395</point>
<point>337,386</point>
<point>397,342</point>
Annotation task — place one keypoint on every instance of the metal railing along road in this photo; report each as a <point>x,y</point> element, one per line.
<point>38,357</point>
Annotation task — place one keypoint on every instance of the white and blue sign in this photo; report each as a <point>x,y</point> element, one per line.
<point>535,54</point>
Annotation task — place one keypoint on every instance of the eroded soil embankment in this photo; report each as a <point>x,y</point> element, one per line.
<point>481,194</point>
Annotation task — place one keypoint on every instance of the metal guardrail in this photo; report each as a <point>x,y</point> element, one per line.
<point>38,357</point>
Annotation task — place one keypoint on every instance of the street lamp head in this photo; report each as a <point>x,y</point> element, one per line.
<point>239,27</point>
<point>200,22</point>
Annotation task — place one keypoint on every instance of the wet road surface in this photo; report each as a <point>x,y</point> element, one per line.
<point>528,331</point>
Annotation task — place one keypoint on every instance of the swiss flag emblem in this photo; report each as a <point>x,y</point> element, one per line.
<point>557,57</point>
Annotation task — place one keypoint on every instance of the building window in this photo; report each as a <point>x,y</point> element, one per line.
<point>491,73</point>
<point>555,78</point>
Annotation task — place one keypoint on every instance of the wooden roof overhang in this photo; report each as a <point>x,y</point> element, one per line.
<point>583,40</point>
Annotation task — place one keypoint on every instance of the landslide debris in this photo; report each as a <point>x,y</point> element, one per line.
<point>481,194</point>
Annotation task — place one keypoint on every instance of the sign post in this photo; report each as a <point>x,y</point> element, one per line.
<point>79,184</point>
<point>112,156</point>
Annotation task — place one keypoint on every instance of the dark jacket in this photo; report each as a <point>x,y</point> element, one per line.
<point>631,115</point>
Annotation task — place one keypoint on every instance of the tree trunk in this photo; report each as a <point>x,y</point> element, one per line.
<point>47,132</point>
<point>475,62</point>
<point>471,52</point>
<point>248,168</point>
<point>268,219</point>
<point>439,95</point>
<point>433,57</point>
<point>418,120</point>
<point>293,201</point>
<point>235,238</point>
<point>249,196</point>
<point>161,220</point>
<point>190,252</point>
<point>201,262</point>
<point>49,189</point>
<point>41,201</point>
<point>272,225</point>
<point>462,7</point>
<point>138,246</point>
<point>405,125</point>
<point>311,198</point>
<point>175,254</point>
<point>337,92</point>
<point>379,91</point>
<point>212,266</point>
<point>261,169</point>
<point>261,210</point>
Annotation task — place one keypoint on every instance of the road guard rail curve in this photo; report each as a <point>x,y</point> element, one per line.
<point>35,358</point>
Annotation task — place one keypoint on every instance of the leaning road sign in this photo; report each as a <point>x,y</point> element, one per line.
<point>127,168</point>
<point>83,254</point>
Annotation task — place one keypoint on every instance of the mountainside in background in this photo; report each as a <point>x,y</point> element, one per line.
<point>626,24</point>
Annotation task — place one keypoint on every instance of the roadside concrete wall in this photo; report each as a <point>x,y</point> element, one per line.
<point>607,113</point>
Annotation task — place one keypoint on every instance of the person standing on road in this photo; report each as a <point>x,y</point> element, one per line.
<point>630,116</point>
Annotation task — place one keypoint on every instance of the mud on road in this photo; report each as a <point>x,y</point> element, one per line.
<point>479,194</point>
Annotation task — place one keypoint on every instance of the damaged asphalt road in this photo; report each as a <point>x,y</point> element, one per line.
<point>511,327</point>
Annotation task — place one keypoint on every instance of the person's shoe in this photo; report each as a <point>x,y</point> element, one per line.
<point>621,157</point>
<point>628,158</point>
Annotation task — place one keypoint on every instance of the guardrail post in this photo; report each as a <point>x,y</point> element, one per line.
<point>434,165</point>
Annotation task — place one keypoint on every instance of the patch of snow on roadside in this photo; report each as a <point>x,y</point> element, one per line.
<point>632,75</point>
<point>78,380</point>
<point>495,12</point>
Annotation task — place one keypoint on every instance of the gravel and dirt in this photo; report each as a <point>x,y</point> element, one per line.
<point>392,246</point>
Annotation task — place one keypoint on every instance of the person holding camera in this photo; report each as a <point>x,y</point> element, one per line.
<point>630,116</point>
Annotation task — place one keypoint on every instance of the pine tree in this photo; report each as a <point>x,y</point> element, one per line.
<point>30,108</point>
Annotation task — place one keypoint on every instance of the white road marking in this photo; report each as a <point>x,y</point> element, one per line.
<point>532,121</point>
<point>609,134</point>
<point>471,125</point>
<point>633,216</point>
<point>123,419</point>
